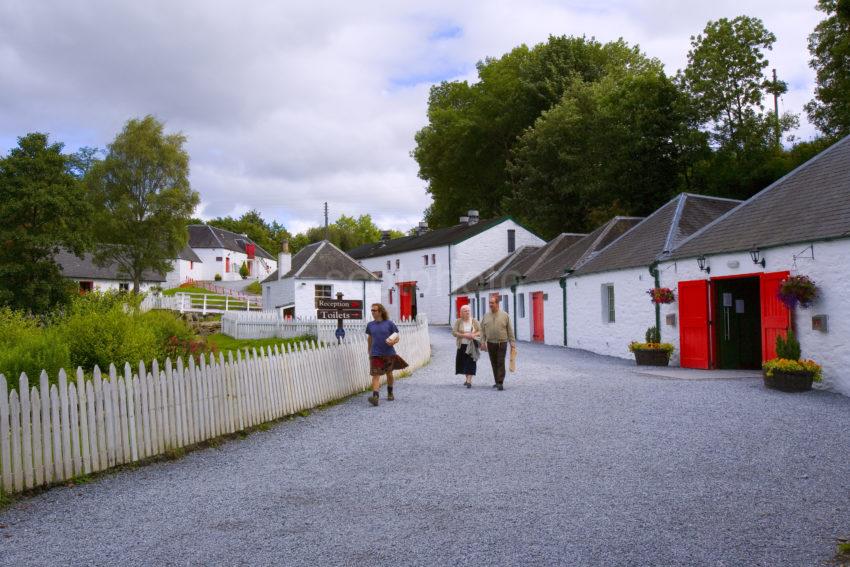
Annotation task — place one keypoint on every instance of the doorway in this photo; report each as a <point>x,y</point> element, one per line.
<point>407,300</point>
<point>460,302</point>
<point>738,323</point>
<point>537,317</point>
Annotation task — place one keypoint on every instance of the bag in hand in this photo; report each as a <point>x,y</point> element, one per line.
<point>513,359</point>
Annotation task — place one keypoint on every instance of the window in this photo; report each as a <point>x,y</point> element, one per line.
<point>123,286</point>
<point>227,264</point>
<point>86,286</point>
<point>511,240</point>
<point>324,292</point>
<point>397,264</point>
<point>433,259</point>
<point>218,258</point>
<point>391,297</point>
<point>505,303</point>
<point>389,265</point>
<point>426,259</point>
<point>191,265</point>
<point>521,305</point>
<point>608,303</point>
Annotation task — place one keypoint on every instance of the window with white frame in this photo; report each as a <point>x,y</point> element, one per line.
<point>389,265</point>
<point>124,286</point>
<point>511,240</point>
<point>433,259</point>
<point>608,315</point>
<point>324,291</point>
<point>505,303</point>
<point>425,257</point>
<point>397,264</point>
<point>521,305</point>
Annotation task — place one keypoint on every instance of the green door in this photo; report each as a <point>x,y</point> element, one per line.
<point>738,323</point>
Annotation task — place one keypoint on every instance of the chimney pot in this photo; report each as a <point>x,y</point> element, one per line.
<point>473,216</point>
<point>284,246</point>
<point>464,219</point>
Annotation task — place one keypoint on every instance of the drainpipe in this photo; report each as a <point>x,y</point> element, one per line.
<point>513,291</point>
<point>477,305</point>
<point>653,269</point>
<point>562,281</point>
<point>450,284</point>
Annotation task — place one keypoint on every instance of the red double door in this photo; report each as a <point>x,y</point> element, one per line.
<point>697,344</point>
<point>537,316</point>
<point>406,299</point>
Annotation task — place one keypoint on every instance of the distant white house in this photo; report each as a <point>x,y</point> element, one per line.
<point>420,271</point>
<point>221,253</point>
<point>186,268</point>
<point>319,270</point>
<point>91,277</point>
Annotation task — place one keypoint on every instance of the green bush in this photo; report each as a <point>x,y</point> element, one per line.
<point>26,346</point>
<point>652,335</point>
<point>217,277</point>
<point>243,270</point>
<point>788,347</point>
<point>255,288</point>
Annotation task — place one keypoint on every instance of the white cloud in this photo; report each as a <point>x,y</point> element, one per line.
<point>288,105</point>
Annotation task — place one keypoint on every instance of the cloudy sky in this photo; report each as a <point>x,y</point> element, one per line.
<point>288,104</point>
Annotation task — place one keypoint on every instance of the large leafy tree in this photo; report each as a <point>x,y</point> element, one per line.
<point>267,234</point>
<point>143,198</point>
<point>42,210</point>
<point>829,46</point>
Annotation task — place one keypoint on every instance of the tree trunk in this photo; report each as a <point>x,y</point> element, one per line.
<point>136,283</point>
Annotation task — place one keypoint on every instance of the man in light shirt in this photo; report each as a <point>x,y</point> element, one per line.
<point>496,333</point>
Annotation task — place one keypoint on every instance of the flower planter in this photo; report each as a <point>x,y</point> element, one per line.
<point>789,381</point>
<point>652,357</point>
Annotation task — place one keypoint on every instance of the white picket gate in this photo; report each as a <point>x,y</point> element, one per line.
<point>52,433</point>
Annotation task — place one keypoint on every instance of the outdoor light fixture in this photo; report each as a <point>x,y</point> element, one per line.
<point>702,266</point>
<point>754,254</point>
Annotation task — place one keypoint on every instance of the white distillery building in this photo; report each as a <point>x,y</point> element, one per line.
<point>91,277</point>
<point>607,301</point>
<point>222,252</point>
<point>503,279</point>
<point>419,272</point>
<point>727,275</point>
<point>186,268</point>
<point>319,270</point>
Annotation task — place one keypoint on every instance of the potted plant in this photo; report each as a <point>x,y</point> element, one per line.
<point>788,372</point>
<point>653,352</point>
<point>661,295</point>
<point>244,271</point>
<point>798,289</point>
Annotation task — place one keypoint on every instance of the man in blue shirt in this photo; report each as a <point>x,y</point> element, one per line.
<point>383,335</point>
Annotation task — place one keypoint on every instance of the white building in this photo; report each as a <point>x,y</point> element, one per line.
<point>91,277</point>
<point>319,270</point>
<point>727,314</point>
<point>419,272</point>
<point>186,268</point>
<point>222,253</point>
<point>607,301</point>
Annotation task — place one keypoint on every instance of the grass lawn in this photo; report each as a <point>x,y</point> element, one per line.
<point>225,343</point>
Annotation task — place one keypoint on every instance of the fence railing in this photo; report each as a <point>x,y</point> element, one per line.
<point>200,303</point>
<point>270,324</point>
<point>54,432</point>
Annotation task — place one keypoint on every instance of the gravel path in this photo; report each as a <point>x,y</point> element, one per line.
<point>579,461</point>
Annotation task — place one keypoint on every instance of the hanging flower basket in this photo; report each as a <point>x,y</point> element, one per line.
<point>798,290</point>
<point>661,295</point>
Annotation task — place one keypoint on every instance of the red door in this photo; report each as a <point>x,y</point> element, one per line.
<point>693,324</point>
<point>405,300</point>
<point>775,316</point>
<point>537,316</point>
<point>460,302</point>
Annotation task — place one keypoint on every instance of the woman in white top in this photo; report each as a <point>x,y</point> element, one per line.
<point>466,329</point>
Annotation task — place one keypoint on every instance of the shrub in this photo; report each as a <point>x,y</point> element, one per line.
<point>793,366</point>
<point>31,350</point>
<point>165,327</point>
<point>243,270</point>
<point>666,347</point>
<point>255,288</point>
<point>653,335</point>
<point>788,347</point>
<point>217,277</point>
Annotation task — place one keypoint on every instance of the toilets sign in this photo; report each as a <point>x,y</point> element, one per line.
<point>340,309</point>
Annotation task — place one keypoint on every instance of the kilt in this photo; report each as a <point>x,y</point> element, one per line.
<point>380,365</point>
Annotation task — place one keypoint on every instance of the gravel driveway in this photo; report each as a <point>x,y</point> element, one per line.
<point>580,461</point>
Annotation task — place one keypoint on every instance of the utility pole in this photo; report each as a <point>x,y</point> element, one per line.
<point>326,220</point>
<point>776,109</point>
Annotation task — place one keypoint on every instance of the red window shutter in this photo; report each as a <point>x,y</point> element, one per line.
<point>693,324</point>
<point>775,316</point>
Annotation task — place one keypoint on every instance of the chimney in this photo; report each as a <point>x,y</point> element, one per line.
<point>473,217</point>
<point>284,260</point>
<point>422,228</point>
<point>385,236</point>
<point>464,219</point>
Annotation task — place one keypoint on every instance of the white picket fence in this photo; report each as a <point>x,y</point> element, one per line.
<point>201,303</point>
<point>270,324</point>
<point>52,433</point>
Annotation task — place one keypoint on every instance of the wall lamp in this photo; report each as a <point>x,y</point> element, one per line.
<point>701,261</point>
<point>755,253</point>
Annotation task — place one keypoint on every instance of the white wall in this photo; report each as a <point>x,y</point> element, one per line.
<point>114,285</point>
<point>553,312</point>
<point>305,294</point>
<point>278,293</point>
<point>181,272</point>
<point>829,269</point>
<point>210,266</point>
<point>634,312</point>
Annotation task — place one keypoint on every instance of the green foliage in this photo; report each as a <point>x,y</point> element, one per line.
<point>268,235</point>
<point>243,270</point>
<point>42,210</point>
<point>255,288</point>
<point>788,347</point>
<point>143,198</point>
<point>346,233</point>
<point>829,46</point>
<point>666,347</point>
<point>653,335</point>
<point>225,343</point>
<point>217,277</point>
<point>25,346</point>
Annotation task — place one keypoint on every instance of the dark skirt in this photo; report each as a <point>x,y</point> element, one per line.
<point>380,365</point>
<point>464,363</point>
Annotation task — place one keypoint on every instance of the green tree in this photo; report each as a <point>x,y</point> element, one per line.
<point>829,46</point>
<point>267,234</point>
<point>346,233</point>
<point>42,209</point>
<point>143,198</point>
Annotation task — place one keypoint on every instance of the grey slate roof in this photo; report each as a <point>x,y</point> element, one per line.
<point>523,261</point>
<point>323,260</point>
<point>188,254</point>
<point>206,236</point>
<point>659,233</point>
<point>810,203</point>
<point>575,255</point>
<point>437,237</point>
<point>85,269</point>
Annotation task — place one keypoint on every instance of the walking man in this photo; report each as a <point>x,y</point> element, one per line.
<point>496,333</point>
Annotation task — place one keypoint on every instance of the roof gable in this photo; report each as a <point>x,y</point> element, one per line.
<point>810,203</point>
<point>323,260</point>
<point>206,236</point>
